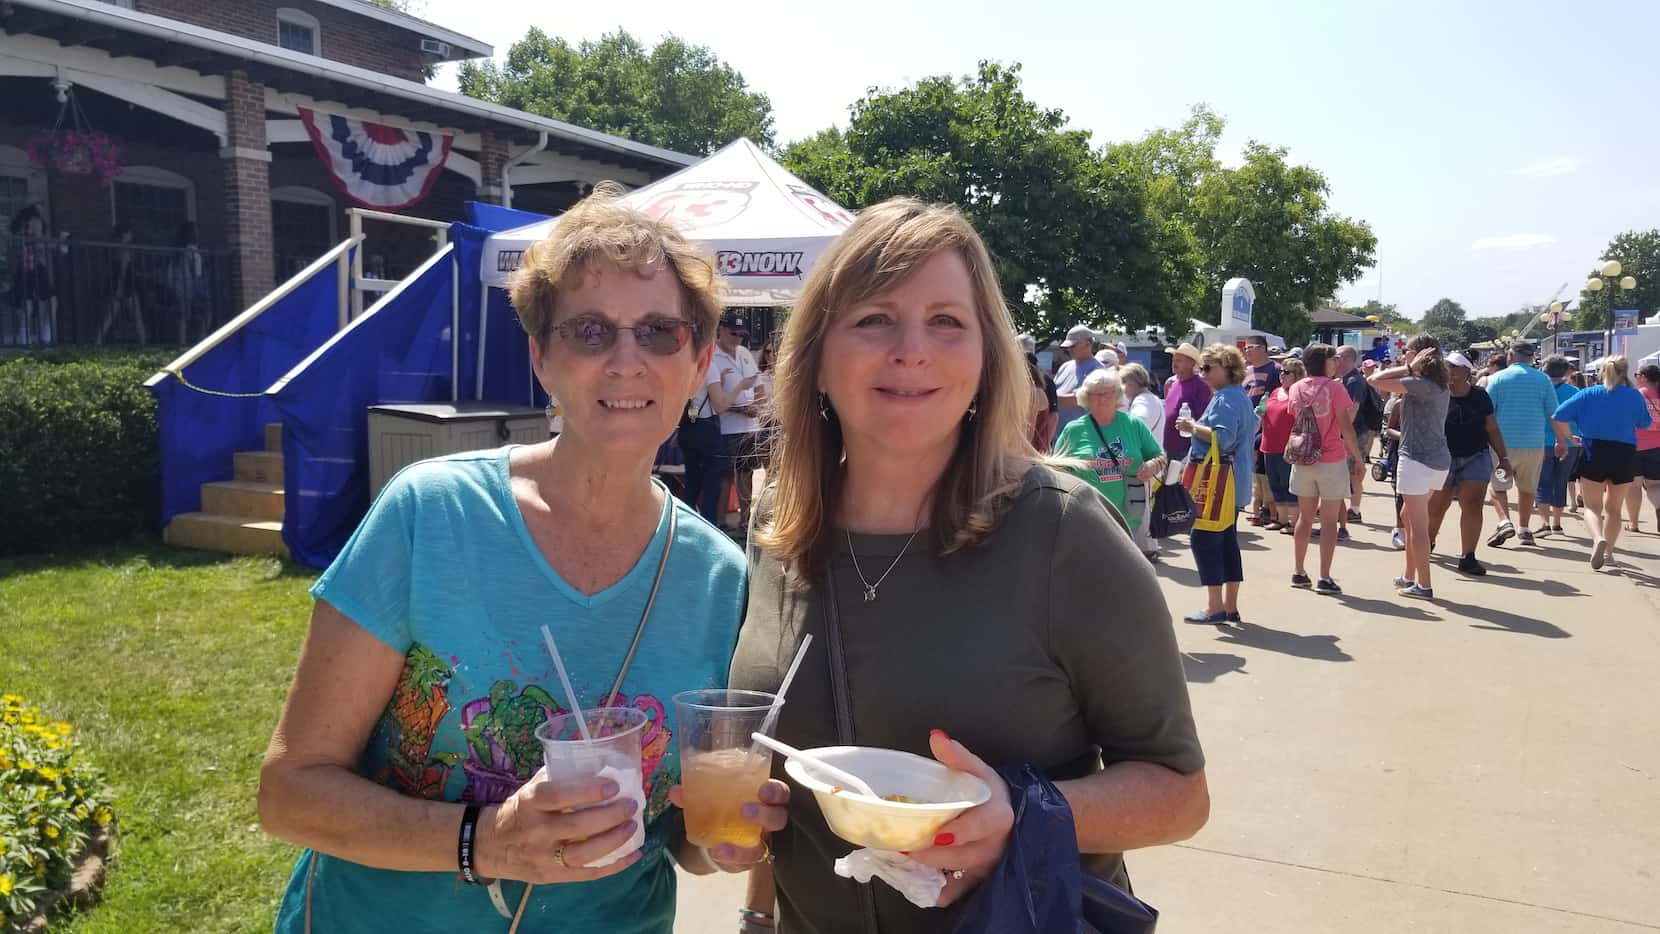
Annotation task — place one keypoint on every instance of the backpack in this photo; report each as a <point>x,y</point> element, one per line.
<point>1303,447</point>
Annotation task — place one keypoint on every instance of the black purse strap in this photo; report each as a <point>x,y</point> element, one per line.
<point>1105,447</point>
<point>844,710</point>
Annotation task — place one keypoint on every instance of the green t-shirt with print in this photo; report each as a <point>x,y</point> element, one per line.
<point>1112,454</point>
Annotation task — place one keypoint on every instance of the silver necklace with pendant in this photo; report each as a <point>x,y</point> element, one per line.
<point>870,589</point>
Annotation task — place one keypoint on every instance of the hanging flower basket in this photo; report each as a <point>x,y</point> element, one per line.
<point>77,152</point>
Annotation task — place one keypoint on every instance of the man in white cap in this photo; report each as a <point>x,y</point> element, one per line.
<point>1080,345</point>
<point>1187,386</point>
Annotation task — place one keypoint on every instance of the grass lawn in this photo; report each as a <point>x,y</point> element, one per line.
<point>172,665</point>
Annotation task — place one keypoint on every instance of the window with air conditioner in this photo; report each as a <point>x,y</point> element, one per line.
<point>298,32</point>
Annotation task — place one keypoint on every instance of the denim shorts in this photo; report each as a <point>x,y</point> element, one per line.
<point>1477,468</point>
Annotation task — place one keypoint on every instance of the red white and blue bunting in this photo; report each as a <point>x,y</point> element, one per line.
<point>376,165</point>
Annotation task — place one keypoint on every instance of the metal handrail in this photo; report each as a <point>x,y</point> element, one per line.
<point>242,320</point>
<point>355,218</point>
<point>444,255</point>
<point>398,218</point>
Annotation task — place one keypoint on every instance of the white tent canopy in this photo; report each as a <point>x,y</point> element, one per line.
<point>766,227</point>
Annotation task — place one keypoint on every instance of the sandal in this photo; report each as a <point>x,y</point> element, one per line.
<point>1288,530</point>
<point>1273,525</point>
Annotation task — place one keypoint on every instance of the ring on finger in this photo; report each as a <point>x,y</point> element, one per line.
<point>956,873</point>
<point>559,856</point>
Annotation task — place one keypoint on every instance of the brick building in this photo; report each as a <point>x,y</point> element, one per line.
<point>204,98</point>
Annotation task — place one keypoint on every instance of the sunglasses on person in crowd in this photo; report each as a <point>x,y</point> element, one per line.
<point>590,335</point>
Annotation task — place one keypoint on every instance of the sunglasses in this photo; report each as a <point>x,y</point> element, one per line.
<point>591,335</point>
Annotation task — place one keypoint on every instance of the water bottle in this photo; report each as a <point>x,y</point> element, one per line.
<point>1186,411</point>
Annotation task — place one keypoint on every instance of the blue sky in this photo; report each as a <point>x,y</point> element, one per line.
<point>1494,147</point>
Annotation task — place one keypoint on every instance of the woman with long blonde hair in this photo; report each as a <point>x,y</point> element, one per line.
<point>952,579</point>
<point>1608,417</point>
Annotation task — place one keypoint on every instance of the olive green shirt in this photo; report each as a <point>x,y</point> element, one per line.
<point>1046,641</point>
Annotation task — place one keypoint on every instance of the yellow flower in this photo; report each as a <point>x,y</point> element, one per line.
<point>103,816</point>
<point>5,884</point>
<point>40,794</point>
<point>51,832</point>
<point>9,717</point>
<point>81,813</point>
<point>26,765</point>
<point>53,744</point>
<point>5,763</point>
<point>50,775</point>
<point>63,728</point>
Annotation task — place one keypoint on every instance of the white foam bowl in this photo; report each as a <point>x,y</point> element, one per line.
<point>889,825</point>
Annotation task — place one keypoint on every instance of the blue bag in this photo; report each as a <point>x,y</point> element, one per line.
<point>1039,887</point>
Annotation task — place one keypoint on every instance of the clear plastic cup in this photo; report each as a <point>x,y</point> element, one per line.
<point>720,771</point>
<point>613,753</point>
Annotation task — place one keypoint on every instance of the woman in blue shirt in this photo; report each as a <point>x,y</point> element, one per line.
<point>1230,423</point>
<point>1608,417</point>
<point>405,760</point>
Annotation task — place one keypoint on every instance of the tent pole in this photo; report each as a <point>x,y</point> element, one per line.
<point>455,326</point>
<point>483,332</point>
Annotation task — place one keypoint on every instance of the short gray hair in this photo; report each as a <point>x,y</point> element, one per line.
<point>1135,373</point>
<point>1099,380</point>
<point>1348,350</point>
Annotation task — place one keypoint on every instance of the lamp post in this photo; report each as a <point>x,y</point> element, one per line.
<point>1606,277</point>
<point>1553,317</point>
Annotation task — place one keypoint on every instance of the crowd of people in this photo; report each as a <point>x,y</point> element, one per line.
<point>1303,428</point>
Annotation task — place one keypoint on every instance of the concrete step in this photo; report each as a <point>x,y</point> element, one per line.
<point>243,498</point>
<point>273,437</point>
<point>232,534</point>
<point>259,466</point>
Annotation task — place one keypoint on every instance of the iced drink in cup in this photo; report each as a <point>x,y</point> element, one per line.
<point>720,771</point>
<point>613,754</point>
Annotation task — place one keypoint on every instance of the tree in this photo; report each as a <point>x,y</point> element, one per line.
<point>1268,221</point>
<point>677,96</point>
<point>1387,315</point>
<point>1445,319</point>
<point>1638,253</point>
<point>1073,236</point>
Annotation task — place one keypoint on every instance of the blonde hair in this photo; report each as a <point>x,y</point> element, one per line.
<point>887,243</point>
<point>603,228</point>
<point>1615,371</point>
<point>1228,357</point>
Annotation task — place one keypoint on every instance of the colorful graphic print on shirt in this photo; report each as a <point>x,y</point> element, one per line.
<point>500,750</point>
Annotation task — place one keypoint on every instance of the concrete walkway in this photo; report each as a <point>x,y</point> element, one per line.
<point>1489,762</point>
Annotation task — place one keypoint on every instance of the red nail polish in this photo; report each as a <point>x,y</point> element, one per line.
<point>940,734</point>
<point>904,852</point>
<point>944,839</point>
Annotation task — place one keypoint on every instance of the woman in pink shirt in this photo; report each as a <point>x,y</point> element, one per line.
<point>1276,428</point>
<point>1648,453</point>
<point>1322,488</point>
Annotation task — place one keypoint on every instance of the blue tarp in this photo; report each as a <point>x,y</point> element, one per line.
<point>494,217</point>
<point>399,352</point>
<point>199,432</point>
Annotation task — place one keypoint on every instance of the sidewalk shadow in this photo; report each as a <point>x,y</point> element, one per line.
<point>1502,621</point>
<point>1513,580</point>
<point>1385,608</point>
<point>1320,648</point>
<point>1206,667</point>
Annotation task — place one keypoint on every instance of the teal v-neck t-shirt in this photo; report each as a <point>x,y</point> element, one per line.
<point>443,569</point>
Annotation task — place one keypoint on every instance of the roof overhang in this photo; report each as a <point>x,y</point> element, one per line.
<point>170,43</point>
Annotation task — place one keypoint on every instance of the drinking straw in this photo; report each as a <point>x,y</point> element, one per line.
<point>565,679</point>
<point>778,702</point>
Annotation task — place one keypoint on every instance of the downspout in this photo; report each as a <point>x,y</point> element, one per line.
<point>507,168</point>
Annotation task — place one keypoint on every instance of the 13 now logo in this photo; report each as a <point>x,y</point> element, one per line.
<point>772,263</point>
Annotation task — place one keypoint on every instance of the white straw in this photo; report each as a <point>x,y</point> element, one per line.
<point>565,679</point>
<point>778,702</point>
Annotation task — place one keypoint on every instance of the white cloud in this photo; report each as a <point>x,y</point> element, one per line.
<point>1516,241</point>
<point>1544,168</point>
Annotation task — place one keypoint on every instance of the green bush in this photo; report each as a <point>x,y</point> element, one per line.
<point>51,803</point>
<point>79,454</point>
